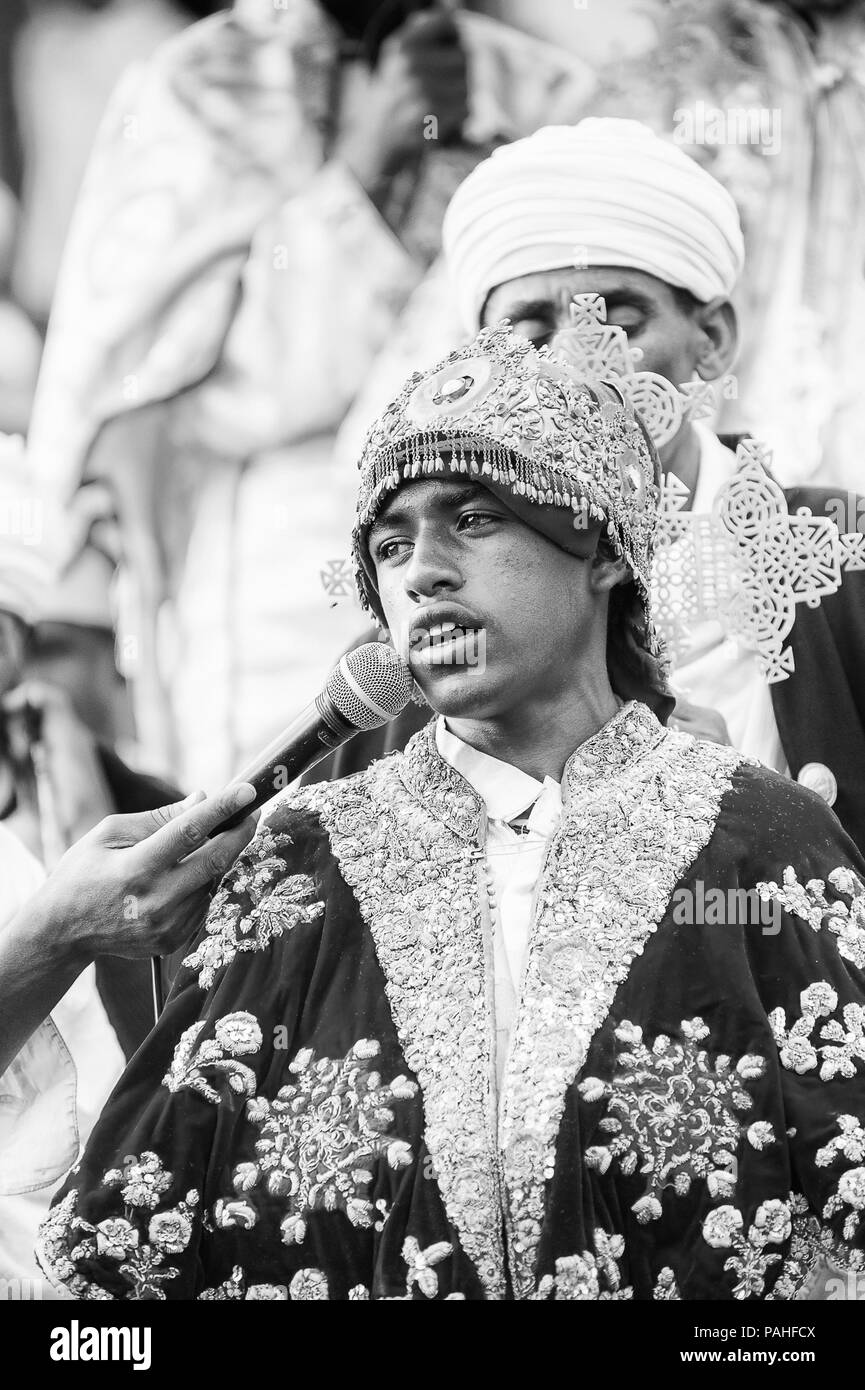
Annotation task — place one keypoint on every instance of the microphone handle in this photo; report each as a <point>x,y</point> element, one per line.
<point>315,732</point>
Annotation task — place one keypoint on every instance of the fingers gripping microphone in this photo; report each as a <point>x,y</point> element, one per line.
<point>368,687</point>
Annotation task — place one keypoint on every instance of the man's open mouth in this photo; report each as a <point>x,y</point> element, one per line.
<point>448,644</point>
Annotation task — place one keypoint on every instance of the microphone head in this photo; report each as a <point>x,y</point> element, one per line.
<point>370,686</point>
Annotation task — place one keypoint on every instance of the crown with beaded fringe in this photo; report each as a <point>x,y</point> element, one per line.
<point>520,416</point>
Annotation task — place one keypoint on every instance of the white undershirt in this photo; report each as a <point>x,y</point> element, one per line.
<point>717,670</point>
<point>513,861</point>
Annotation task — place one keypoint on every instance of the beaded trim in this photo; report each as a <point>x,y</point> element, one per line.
<point>411,859</point>
<point>640,803</point>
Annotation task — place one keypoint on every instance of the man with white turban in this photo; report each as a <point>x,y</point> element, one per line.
<point>607,207</point>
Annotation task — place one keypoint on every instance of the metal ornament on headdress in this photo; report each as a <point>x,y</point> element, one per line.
<point>599,352</point>
<point>746,564</point>
<point>502,410</point>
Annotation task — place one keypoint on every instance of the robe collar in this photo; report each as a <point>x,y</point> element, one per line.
<point>631,733</point>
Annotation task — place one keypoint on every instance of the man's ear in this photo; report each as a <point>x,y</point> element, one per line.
<point>607,571</point>
<point>718,338</point>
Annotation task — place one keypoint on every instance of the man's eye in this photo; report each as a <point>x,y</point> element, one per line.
<point>631,320</point>
<point>470,521</point>
<point>390,550</point>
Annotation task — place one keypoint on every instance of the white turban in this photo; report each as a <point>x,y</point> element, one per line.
<point>604,192</point>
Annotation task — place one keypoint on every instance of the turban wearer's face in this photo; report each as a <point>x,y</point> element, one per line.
<point>528,614</point>
<point>605,192</point>
<point>658,320</point>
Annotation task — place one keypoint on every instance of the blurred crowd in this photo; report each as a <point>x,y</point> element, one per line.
<point>220,251</point>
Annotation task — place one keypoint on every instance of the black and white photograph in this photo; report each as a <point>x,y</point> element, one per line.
<point>432,668</point>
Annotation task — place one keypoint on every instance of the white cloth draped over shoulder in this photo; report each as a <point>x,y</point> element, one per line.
<point>50,1096</point>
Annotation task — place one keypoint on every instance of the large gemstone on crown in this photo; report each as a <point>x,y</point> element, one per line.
<point>452,391</point>
<point>633,478</point>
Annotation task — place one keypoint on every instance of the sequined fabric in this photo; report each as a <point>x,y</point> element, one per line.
<point>323,1119</point>
<point>640,802</point>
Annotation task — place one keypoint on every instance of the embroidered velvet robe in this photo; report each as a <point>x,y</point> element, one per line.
<point>682,1110</point>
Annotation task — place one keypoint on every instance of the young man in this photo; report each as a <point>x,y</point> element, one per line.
<point>606,207</point>
<point>462,1026</point>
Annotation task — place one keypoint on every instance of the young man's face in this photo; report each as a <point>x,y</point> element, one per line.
<point>452,553</point>
<point>647,309</point>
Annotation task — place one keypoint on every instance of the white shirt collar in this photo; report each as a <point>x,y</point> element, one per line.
<point>505,790</point>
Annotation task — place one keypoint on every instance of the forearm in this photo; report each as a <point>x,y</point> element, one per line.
<point>37,967</point>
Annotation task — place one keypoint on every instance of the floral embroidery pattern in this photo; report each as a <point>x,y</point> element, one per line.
<point>67,1239</point>
<point>671,1112</point>
<point>279,904</point>
<point>666,1286</point>
<point>422,1263</point>
<point>641,802</point>
<point>843,1044</point>
<point>406,835</point>
<point>579,1277</point>
<point>649,798</point>
<point>421,1272</point>
<point>235,1035</point>
<point>306,1284</point>
<point>850,1143</point>
<point>309,1284</point>
<point>751,1259</point>
<point>850,1192</point>
<point>322,1135</point>
<point>812,1246</point>
<point>809,902</point>
<point>804,1251</point>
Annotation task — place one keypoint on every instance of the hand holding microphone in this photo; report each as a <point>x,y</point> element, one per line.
<point>135,886</point>
<point>367,688</point>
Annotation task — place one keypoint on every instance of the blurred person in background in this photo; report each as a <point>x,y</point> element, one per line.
<point>770,97</point>
<point>60,61</point>
<point>60,773</point>
<point>20,343</point>
<point>262,197</point>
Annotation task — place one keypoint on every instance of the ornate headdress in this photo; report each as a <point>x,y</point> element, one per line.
<point>521,420</point>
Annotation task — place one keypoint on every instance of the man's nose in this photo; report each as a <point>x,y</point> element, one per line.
<point>432,567</point>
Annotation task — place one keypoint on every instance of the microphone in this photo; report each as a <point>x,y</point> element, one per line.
<point>367,688</point>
